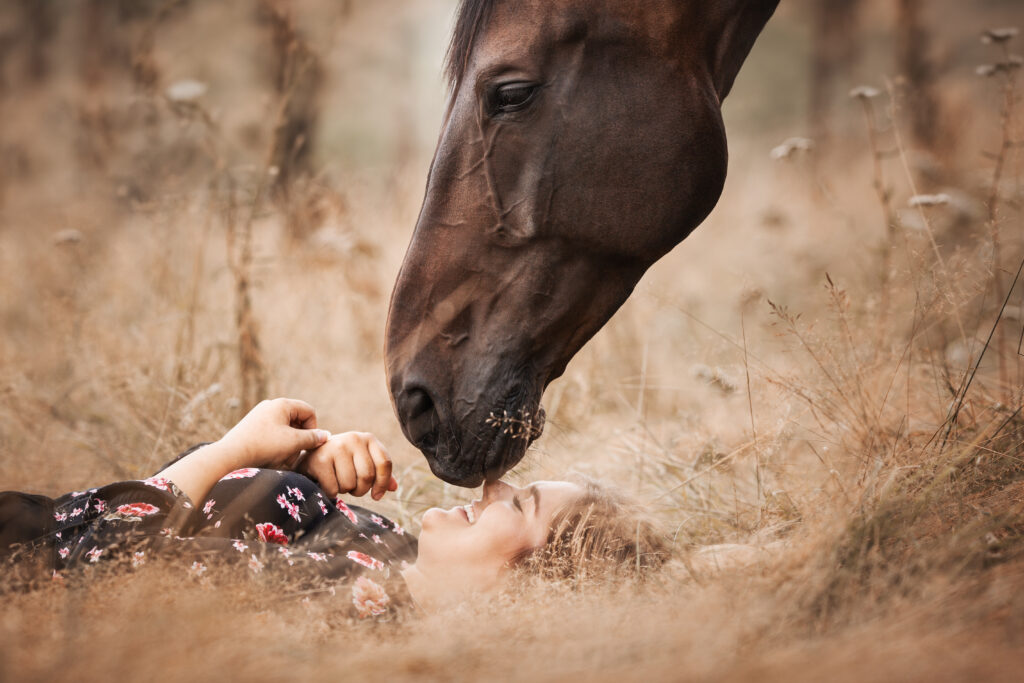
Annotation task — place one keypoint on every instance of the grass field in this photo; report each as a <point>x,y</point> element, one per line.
<point>821,404</point>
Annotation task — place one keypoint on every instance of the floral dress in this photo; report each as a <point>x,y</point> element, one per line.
<point>262,521</point>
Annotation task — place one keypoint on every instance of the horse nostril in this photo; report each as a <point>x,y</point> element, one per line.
<point>420,419</point>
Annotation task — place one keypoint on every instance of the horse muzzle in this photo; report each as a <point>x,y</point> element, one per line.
<point>482,444</point>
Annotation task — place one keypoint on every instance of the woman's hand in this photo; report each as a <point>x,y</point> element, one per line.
<point>273,434</point>
<point>353,462</point>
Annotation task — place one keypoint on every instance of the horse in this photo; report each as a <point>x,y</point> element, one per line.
<point>583,140</point>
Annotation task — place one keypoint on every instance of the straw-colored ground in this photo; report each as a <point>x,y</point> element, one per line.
<point>778,400</point>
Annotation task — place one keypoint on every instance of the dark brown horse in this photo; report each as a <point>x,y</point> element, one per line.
<point>583,140</point>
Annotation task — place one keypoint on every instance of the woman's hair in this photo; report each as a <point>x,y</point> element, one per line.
<point>599,535</point>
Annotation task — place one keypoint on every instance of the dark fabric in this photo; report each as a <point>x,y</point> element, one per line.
<point>24,518</point>
<point>263,521</point>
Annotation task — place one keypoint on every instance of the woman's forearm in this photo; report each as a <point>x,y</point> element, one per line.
<point>272,434</point>
<point>197,472</point>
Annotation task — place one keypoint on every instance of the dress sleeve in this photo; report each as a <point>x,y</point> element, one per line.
<point>104,523</point>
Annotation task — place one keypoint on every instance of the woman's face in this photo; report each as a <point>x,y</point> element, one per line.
<point>473,543</point>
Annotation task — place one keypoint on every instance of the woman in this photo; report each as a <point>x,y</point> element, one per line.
<point>267,496</point>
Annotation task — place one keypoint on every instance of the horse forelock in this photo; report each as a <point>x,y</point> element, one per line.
<point>471,19</point>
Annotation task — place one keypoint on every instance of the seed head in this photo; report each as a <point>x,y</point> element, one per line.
<point>865,92</point>
<point>790,147</point>
<point>940,199</point>
<point>999,35</point>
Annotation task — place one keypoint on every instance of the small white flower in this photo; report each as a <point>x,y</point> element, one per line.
<point>185,90</point>
<point>865,92</point>
<point>929,200</point>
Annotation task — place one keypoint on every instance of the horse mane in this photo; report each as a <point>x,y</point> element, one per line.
<point>471,18</point>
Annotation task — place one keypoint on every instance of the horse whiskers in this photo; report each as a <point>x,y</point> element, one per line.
<point>524,425</point>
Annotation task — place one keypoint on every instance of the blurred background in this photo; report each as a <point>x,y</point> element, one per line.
<point>206,203</point>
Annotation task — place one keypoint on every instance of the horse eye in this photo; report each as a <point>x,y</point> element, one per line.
<point>512,97</point>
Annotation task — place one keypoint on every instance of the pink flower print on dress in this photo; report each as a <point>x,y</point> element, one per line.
<point>158,483</point>
<point>399,530</point>
<point>137,509</point>
<point>345,510</point>
<point>63,552</point>
<point>255,565</point>
<point>291,507</point>
<point>323,506</point>
<point>100,505</point>
<point>243,473</point>
<point>365,560</point>
<point>379,521</point>
<point>208,508</point>
<point>75,512</point>
<point>239,546</point>
<point>318,557</point>
<point>94,554</point>
<point>287,555</point>
<point>271,533</point>
<point>139,558</point>
<point>60,516</point>
<point>377,539</point>
<point>369,598</point>
<point>296,493</point>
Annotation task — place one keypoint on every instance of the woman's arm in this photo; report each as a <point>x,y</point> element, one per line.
<point>271,435</point>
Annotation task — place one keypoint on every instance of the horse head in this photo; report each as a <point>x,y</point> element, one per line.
<point>583,140</point>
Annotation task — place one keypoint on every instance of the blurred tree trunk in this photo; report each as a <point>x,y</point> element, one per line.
<point>40,25</point>
<point>914,64</point>
<point>835,48</point>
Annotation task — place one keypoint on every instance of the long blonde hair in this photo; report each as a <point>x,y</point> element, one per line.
<point>599,535</point>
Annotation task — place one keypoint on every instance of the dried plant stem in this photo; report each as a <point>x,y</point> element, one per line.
<point>954,412</point>
<point>251,366</point>
<point>1006,144</point>
<point>885,201</point>
<point>753,425</point>
<point>954,295</point>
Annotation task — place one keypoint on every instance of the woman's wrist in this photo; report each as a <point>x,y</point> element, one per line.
<point>224,456</point>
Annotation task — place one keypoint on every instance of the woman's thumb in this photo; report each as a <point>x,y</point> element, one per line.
<point>313,438</point>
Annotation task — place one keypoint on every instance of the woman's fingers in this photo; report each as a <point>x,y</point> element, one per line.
<point>344,470</point>
<point>364,469</point>
<point>327,479</point>
<point>300,414</point>
<point>353,462</point>
<point>382,462</point>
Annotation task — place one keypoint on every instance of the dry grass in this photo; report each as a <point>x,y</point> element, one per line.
<point>760,389</point>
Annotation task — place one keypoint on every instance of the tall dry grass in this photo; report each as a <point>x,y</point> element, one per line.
<point>818,393</point>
